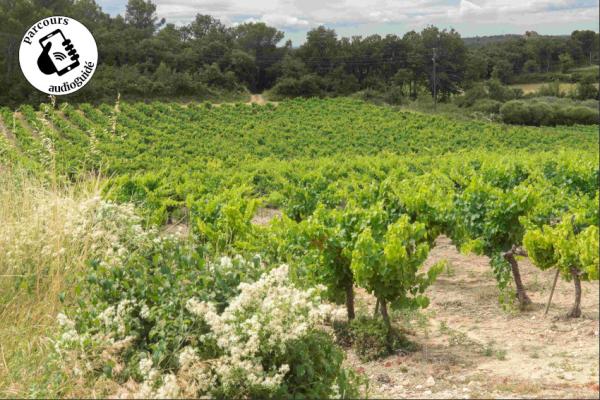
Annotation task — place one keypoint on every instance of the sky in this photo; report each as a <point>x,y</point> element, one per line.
<point>364,17</point>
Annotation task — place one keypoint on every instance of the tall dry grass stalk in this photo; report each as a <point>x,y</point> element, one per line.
<point>40,255</point>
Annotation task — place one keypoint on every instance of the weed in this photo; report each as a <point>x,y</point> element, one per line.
<point>370,338</point>
<point>500,354</point>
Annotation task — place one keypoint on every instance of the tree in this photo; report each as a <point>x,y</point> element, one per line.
<point>586,89</point>
<point>244,67</point>
<point>320,50</point>
<point>205,26</point>
<point>477,65</point>
<point>401,79</point>
<point>141,14</point>
<point>566,62</point>
<point>292,67</point>
<point>503,71</point>
<point>587,42</point>
<point>530,66</point>
<point>450,54</point>
<point>546,51</point>
<point>260,41</point>
<point>415,62</point>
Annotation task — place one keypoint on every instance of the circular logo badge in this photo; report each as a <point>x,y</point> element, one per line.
<point>58,55</point>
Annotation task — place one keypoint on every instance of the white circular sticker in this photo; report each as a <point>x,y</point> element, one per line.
<point>58,55</point>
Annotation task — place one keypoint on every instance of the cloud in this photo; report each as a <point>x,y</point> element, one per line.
<point>467,8</point>
<point>302,15</point>
<point>524,13</point>
<point>281,21</point>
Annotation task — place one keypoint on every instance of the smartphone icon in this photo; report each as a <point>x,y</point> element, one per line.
<point>62,53</point>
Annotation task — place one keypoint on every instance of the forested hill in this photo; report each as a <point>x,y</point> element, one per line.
<point>144,56</point>
<point>478,41</point>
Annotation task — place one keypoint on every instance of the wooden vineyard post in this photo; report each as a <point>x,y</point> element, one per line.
<point>552,292</point>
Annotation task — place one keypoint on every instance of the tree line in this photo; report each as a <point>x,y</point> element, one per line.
<point>144,56</point>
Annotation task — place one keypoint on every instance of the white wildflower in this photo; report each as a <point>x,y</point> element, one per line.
<point>145,312</point>
<point>199,308</point>
<point>226,262</point>
<point>145,366</point>
<point>187,357</point>
<point>64,321</point>
<point>107,315</point>
<point>284,369</point>
<point>169,388</point>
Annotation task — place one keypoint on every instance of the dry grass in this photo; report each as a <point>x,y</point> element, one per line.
<point>565,87</point>
<point>39,255</point>
<point>534,87</point>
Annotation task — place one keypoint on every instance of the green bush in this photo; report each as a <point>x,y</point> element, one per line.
<point>370,95</point>
<point>305,86</point>
<point>158,317</point>
<point>578,115</point>
<point>550,89</point>
<point>540,77</point>
<point>515,112</point>
<point>315,364</point>
<point>394,95</point>
<point>586,89</point>
<point>146,297</point>
<point>540,113</point>
<point>497,91</point>
<point>472,95</point>
<point>592,74</point>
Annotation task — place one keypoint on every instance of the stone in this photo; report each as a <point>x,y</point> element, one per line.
<point>430,382</point>
<point>568,376</point>
<point>383,378</point>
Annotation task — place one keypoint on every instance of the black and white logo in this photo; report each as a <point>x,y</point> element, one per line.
<point>58,55</point>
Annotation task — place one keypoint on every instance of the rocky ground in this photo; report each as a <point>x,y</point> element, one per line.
<point>470,347</point>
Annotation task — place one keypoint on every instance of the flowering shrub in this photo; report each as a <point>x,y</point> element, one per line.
<point>146,297</point>
<point>169,324</point>
<point>270,343</point>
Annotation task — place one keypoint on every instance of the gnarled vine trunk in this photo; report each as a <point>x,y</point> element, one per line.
<point>350,300</point>
<point>387,322</point>
<point>376,310</point>
<point>509,256</point>
<point>576,310</point>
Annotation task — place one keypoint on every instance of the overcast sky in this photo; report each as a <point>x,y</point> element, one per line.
<point>363,17</point>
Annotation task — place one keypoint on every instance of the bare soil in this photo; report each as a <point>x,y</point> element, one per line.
<point>528,88</point>
<point>264,216</point>
<point>472,347</point>
<point>8,134</point>
<point>258,99</point>
<point>21,119</point>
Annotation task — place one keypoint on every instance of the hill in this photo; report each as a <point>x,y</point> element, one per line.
<point>143,137</point>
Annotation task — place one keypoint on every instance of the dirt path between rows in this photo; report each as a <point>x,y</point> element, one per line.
<point>258,99</point>
<point>472,348</point>
<point>23,121</point>
<point>7,133</point>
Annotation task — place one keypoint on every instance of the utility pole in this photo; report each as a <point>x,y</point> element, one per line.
<point>434,79</point>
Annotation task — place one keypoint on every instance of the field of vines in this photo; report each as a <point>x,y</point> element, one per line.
<point>292,250</point>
